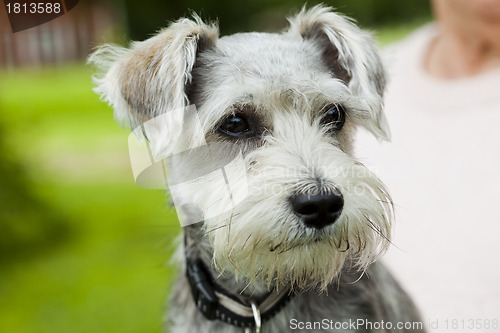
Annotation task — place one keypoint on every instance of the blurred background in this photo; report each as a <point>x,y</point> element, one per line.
<point>82,248</point>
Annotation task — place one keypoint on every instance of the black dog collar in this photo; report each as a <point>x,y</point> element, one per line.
<point>216,303</point>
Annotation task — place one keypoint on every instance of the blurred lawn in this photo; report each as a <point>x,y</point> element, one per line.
<point>110,274</point>
<point>390,33</point>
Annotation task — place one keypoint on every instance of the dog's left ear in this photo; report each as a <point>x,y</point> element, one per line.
<point>352,57</point>
<point>150,77</point>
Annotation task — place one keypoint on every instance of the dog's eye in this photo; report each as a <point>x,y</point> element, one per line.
<point>235,125</point>
<point>335,117</point>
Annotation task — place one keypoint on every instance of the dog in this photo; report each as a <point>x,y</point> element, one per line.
<point>298,250</point>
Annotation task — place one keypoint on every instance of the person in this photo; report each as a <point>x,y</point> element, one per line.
<point>443,165</point>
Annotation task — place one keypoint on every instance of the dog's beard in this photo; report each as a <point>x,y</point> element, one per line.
<point>263,241</point>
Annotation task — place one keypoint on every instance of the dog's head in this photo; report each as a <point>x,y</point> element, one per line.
<point>290,103</point>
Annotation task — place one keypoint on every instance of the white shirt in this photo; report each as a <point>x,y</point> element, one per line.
<point>443,170</point>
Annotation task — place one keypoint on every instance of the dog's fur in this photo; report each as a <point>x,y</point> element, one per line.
<point>282,83</point>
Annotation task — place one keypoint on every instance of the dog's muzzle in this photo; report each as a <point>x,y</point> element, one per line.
<point>318,210</point>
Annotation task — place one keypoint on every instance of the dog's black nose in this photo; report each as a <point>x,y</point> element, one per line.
<point>318,210</point>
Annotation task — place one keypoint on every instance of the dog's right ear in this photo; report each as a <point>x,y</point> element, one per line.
<point>150,77</point>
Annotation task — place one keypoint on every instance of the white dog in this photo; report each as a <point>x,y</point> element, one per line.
<point>298,251</point>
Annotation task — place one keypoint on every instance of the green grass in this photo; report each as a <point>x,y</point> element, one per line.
<point>109,271</point>
<point>387,34</point>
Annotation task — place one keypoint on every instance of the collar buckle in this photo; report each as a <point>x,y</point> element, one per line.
<point>256,317</point>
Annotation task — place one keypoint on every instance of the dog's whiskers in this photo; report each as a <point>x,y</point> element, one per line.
<point>376,228</point>
<point>215,229</point>
<point>280,241</point>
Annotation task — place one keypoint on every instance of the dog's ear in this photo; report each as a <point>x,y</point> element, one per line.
<point>352,57</point>
<point>150,77</point>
